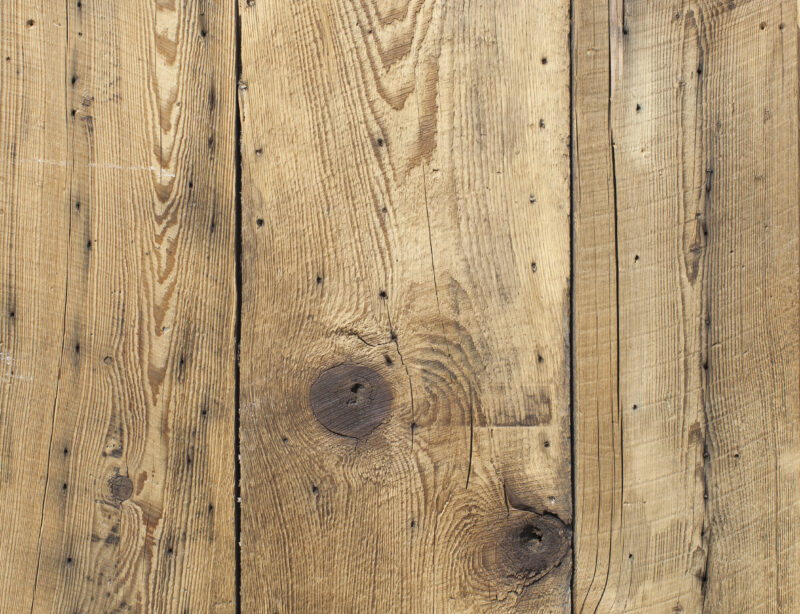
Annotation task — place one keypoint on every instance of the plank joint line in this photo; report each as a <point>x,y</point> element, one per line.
<point>237,330</point>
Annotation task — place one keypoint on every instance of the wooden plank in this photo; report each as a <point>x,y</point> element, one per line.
<point>33,214</point>
<point>597,421</point>
<point>704,148</point>
<point>405,309</point>
<point>118,294</point>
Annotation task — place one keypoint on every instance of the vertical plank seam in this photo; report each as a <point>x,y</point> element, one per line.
<point>571,285</point>
<point>237,328</point>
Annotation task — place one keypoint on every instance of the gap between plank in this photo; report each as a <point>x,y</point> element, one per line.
<point>571,350</point>
<point>237,329</point>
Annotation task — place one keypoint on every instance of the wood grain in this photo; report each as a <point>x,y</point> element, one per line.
<point>702,453</point>
<point>597,420</point>
<point>405,211</point>
<point>118,306</point>
<point>480,250</point>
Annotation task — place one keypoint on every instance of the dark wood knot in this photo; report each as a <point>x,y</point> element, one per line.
<point>529,546</point>
<point>351,400</point>
<point>121,487</point>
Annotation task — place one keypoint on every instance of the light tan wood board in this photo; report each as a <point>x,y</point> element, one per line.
<point>597,422</point>
<point>117,288</point>
<point>405,258</point>
<point>405,213</point>
<point>686,482</point>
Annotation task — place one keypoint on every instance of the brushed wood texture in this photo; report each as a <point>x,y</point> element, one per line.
<point>405,209</point>
<point>118,306</point>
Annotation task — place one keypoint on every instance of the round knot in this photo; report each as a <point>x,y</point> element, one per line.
<point>350,400</point>
<point>121,487</point>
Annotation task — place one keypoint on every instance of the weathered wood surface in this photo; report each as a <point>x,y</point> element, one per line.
<point>484,255</point>
<point>597,420</point>
<point>117,289</point>
<point>686,448</point>
<point>405,213</point>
